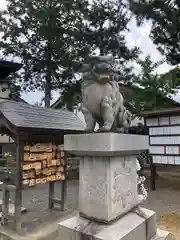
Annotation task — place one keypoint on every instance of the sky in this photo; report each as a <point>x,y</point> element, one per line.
<point>138,36</point>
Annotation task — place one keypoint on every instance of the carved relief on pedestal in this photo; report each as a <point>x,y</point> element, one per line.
<point>94,181</point>
<point>124,185</point>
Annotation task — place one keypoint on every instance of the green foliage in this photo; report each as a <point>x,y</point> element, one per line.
<point>52,38</point>
<point>165,18</point>
<point>46,36</point>
<point>106,24</point>
<point>70,95</point>
<point>154,90</point>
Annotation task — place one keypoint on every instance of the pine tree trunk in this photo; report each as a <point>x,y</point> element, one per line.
<point>47,99</point>
<point>101,48</point>
<point>48,78</point>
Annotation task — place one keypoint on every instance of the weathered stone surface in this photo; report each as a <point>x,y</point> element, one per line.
<point>150,216</point>
<point>105,144</point>
<point>108,190</point>
<point>102,101</point>
<point>129,227</point>
<point>162,235</point>
<point>108,181</point>
<point>108,187</point>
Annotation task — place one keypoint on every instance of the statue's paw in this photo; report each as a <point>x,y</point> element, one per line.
<point>104,129</point>
<point>120,130</point>
<point>89,130</point>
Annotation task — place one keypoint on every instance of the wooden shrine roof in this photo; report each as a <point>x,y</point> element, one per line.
<point>161,112</point>
<point>7,67</point>
<point>25,116</point>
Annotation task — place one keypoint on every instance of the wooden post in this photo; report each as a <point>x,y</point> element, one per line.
<point>18,191</point>
<point>63,194</point>
<point>5,206</point>
<point>64,184</point>
<point>51,195</point>
<point>51,191</point>
<point>153,174</point>
<point>63,190</point>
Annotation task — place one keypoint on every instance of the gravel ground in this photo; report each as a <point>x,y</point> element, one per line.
<point>165,201</point>
<point>35,199</point>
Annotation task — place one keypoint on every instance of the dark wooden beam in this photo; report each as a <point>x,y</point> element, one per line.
<point>5,206</point>
<point>51,195</point>
<point>42,137</point>
<point>7,128</point>
<point>153,174</point>
<point>64,184</point>
<point>63,190</point>
<point>10,188</point>
<point>18,192</point>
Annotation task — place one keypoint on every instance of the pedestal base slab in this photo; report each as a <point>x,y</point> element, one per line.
<point>130,227</point>
<point>162,235</point>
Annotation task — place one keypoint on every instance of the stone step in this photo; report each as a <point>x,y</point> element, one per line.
<point>162,235</point>
<point>150,216</point>
<point>132,226</point>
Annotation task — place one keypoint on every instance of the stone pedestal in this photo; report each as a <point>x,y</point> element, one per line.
<point>108,187</point>
<point>108,198</point>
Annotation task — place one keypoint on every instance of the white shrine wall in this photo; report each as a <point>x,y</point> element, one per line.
<point>164,139</point>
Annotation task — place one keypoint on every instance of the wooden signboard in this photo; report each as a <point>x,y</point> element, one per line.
<point>43,163</point>
<point>164,139</point>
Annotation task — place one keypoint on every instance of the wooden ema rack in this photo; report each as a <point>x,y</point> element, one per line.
<point>43,163</point>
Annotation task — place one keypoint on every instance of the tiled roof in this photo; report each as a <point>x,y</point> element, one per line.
<point>161,112</point>
<point>7,68</point>
<point>23,115</point>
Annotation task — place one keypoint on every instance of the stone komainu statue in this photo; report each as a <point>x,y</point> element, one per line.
<point>102,101</point>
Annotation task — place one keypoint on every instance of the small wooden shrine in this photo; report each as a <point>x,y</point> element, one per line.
<point>163,127</point>
<point>38,133</point>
